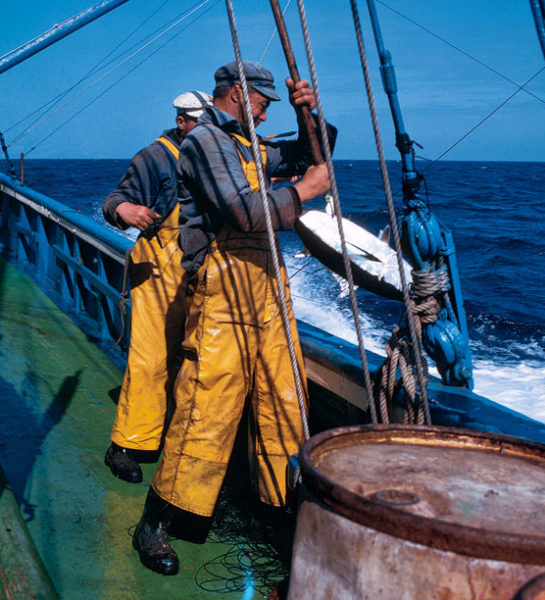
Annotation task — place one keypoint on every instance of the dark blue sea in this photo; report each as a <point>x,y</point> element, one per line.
<point>496,212</point>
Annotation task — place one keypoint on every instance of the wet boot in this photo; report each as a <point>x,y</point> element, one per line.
<point>150,537</point>
<point>122,464</point>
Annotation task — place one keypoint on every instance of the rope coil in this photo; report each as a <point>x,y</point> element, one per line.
<point>428,282</point>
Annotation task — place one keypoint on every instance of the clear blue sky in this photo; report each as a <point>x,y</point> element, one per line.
<point>443,93</point>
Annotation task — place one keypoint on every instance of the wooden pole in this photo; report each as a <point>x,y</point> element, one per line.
<point>303,112</point>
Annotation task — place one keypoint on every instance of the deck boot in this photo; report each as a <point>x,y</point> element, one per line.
<point>150,537</point>
<point>122,464</point>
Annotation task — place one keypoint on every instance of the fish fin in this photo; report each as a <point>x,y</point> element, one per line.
<point>304,253</point>
<point>384,235</point>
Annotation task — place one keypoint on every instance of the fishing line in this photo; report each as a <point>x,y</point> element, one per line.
<point>247,530</point>
<point>318,269</point>
<point>275,31</point>
<point>479,62</point>
<point>134,68</point>
<point>54,101</point>
<point>508,99</point>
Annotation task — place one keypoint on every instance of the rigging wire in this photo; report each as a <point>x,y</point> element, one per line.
<point>131,70</point>
<point>477,125</point>
<point>11,170</point>
<point>479,62</point>
<point>44,108</point>
<point>393,219</point>
<point>158,36</point>
<point>270,233</point>
<point>338,212</point>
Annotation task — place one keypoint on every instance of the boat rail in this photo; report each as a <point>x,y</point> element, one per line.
<point>79,264</point>
<point>77,261</point>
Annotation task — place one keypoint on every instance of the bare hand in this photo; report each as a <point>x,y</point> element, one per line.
<point>301,93</point>
<point>134,215</point>
<point>314,183</point>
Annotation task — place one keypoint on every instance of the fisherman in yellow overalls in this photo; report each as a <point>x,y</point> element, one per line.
<point>147,198</point>
<point>235,347</point>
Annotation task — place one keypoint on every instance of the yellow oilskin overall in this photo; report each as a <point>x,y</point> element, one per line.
<point>157,324</point>
<point>235,349</point>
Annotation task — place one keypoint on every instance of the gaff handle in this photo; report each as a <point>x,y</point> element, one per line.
<point>302,111</point>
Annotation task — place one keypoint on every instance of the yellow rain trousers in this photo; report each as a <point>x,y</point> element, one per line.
<point>157,324</point>
<point>235,348</point>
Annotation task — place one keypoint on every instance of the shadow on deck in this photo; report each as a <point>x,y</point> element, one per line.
<point>55,418</point>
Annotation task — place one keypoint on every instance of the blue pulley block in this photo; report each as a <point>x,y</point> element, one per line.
<point>421,237</point>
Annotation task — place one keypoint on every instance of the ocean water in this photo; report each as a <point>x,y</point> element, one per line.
<point>496,212</point>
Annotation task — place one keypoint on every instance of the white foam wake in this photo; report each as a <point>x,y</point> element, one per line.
<point>518,386</point>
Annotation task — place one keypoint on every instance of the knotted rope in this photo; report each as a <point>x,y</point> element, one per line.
<point>400,358</point>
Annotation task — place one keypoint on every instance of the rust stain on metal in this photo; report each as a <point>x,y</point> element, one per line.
<point>477,494</point>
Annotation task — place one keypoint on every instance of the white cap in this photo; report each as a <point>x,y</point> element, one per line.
<point>192,103</point>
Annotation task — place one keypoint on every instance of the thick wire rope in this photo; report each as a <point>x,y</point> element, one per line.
<point>393,219</point>
<point>128,72</point>
<point>338,212</point>
<point>270,232</point>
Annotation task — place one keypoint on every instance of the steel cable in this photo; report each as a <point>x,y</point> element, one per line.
<point>417,352</point>
<point>109,72</point>
<point>270,232</point>
<point>48,106</point>
<point>338,212</point>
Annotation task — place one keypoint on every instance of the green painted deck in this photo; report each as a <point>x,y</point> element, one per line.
<point>56,410</point>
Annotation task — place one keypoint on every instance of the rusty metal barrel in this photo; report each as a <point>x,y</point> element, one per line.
<point>418,513</point>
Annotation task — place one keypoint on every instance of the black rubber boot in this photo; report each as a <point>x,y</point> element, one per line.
<point>122,464</point>
<point>150,537</point>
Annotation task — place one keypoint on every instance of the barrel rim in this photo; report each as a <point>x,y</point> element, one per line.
<point>458,538</point>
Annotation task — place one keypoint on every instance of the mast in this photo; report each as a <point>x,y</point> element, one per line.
<point>56,33</point>
<point>429,245</point>
<point>538,10</point>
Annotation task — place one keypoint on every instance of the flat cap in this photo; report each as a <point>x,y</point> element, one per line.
<point>259,77</point>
